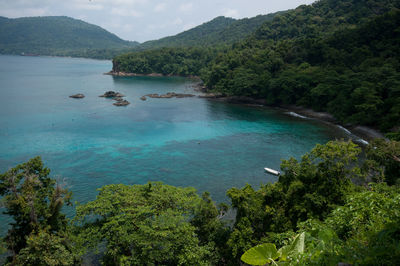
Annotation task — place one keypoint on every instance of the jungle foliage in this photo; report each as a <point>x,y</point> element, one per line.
<point>352,73</point>
<point>166,61</point>
<point>219,31</point>
<point>34,201</point>
<point>315,214</point>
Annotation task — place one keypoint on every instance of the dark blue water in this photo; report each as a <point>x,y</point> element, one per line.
<point>88,143</point>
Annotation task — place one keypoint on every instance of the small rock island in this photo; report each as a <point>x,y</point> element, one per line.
<point>121,103</point>
<point>112,94</point>
<point>77,96</point>
<point>117,97</point>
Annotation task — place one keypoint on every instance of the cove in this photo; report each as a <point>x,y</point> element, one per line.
<point>88,143</point>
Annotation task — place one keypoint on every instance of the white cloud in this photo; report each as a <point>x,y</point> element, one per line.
<point>88,6</point>
<point>230,13</point>
<point>160,7</point>
<point>97,5</point>
<point>26,12</point>
<point>188,26</point>
<point>82,17</point>
<point>125,12</point>
<point>156,26</point>
<point>186,7</point>
<point>120,2</point>
<point>127,27</point>
<point>177,21</point>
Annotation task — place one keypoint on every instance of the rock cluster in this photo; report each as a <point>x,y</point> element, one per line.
<point>119,101</point>
<point>77,96</point>
<point>117,97</point>
<point>112,94</point>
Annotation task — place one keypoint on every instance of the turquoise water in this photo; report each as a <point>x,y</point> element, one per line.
<point>88,143</point>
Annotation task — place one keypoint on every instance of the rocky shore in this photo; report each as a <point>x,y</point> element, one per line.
<point>324,116</point>
<point>360,131</point>
<point>366,132</point>
<point>126,74</point>
<point>168,95</point>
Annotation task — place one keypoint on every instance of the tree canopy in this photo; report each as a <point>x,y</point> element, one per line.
<point>34,201</point>
<point>314,214</point>
<point>150,224</point>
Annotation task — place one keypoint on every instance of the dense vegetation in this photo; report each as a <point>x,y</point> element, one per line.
<point>314,214</point>
<point>351,73</point>
<point>336,56</point>
<point>219,31</point>
<point>167,61</point>
<point>61,36</point>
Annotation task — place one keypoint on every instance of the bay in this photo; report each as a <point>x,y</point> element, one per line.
<point>89,143</point>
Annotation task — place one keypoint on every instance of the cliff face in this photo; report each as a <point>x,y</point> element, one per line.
<point>115,67</point>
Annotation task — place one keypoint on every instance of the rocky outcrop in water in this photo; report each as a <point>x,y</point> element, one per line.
<point>121,103</point>
<point>143,98</point>
<point>112,94</point>
<point>77,96</point>
<point>117,97</point>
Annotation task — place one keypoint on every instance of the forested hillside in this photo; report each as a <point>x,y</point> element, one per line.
<point>336,56</point>
<point>167,61</point>
<point>62,36</point>
<point>219,31</point>
<point>352,73</point>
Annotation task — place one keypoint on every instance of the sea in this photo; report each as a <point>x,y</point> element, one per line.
<point>89,143</point>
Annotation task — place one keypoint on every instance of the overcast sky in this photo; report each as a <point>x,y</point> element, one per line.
<point>142,20</point>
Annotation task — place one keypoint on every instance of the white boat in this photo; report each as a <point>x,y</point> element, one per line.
<point>272,171</point>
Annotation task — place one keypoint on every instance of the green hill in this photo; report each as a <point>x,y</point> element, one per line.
<point>339,56</point>
<point>322,18</point>
<point>220,30</point>
<point>57,36</point>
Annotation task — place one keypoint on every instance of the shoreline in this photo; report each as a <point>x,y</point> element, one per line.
<point>126,74</point>
<point>362,132</point>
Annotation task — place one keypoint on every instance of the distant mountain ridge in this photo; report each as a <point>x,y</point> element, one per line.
<point>55,35</point>
<point>65,36</point>
<point>220,30</point>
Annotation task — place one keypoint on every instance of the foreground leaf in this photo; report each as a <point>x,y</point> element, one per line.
<point>260,255</point>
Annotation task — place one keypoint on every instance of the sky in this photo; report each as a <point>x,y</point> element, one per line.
<point>143,20</point>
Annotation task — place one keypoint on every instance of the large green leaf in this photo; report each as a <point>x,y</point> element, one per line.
<point>298,244</point>
<point>296,247</point>
<point>261,254</point>
<point>284,252</point>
